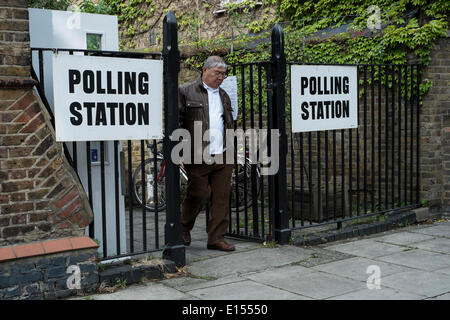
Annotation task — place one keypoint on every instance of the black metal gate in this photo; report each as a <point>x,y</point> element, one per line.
<point>145,231</point>
<point>323,177</point>
<point>328,177</point>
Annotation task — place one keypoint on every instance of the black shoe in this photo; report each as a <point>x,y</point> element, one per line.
<point>221,246</point>
<point>186,238</point>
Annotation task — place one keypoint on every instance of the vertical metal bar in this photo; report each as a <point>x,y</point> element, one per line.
<point>174,249</point>
<point>310,177</point>
<point>393,136</point>
<point>319,191</point>
<point>116,192</point>
<point>343,172</point>
<point>350,174</point>
<point>236,187</point>
<point>373,139</point>
<point>130,194</point>
<point>144,197</point>
<point>89,179</point>
<point>405,102</point>
<point>41,70</point>
<point>155,191</point>
<point>418,134</point>
<point>292,180</point>
<point>302,170</point>
<point>270,178</point>
<point>253,172</point>
<point>260,122</point>
<point>74,156</point>
<point>102,184</point>
<point>411,141</point>
<point>365,139</point>
<point>358,164</point>
<point>399,163</point>
<point>334,176</point>
<point>244,118</point>
<point>379,134</point>
<point>292,157</point>
<point>327,206</point>
<point>386,134</point>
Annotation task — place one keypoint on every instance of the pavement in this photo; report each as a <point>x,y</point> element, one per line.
<point>410,263</point>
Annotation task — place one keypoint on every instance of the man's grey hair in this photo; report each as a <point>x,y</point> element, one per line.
<point>215,61</point>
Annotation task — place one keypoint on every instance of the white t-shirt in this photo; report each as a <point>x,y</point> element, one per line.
<point>215,120</point>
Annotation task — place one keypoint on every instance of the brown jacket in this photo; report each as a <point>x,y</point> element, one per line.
<point>193,106</point>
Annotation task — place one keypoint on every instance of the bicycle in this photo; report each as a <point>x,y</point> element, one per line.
<point>244,189</point>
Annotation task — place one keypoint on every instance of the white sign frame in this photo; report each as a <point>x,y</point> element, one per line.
<point>338,107</point>
<point>149,126</point>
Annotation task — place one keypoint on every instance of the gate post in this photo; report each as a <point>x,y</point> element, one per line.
<point>175,249</point>
<point>281,217</point>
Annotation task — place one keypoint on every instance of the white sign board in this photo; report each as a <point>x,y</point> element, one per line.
<point>103,98</point>
<point>324,97</point>
<point>229,84</point>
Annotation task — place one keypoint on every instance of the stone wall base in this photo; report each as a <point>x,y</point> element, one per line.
<point>48,270</point>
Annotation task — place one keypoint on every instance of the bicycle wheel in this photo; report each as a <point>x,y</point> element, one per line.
<point>151,184</point>
<point>242,196</point>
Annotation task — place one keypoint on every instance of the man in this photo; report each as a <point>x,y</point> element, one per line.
<point>203,104</point>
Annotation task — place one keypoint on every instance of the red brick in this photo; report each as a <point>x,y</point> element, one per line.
<point>3,198</point>
<point>38,195</point>
<point>16,152</point>
<point>22,118</point>
<point>70,209</point>
<point>14,140</point>
<point>10,232</point>
<point>24,101</point>
<point>34,124</point>
<point>19,219</point>
<point>66,198</point>
<point>38,217</point>
<point>18,196</point>
<point>17,174</point>
<point>33,110</point>
<point>4,221</point>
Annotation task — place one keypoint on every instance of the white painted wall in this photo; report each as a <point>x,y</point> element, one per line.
<point>67,30</point>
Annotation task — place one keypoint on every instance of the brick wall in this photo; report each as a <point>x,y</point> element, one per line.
<point>40,195</point>
<point>435,130</point>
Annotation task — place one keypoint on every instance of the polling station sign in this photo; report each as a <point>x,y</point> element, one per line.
<point>104,98</point>
<point>324,97</point>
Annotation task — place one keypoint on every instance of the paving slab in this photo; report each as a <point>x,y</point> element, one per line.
<point>442,230</point>
<point>445,296</point>
<point>378,294</point>
<point>429,284</point>
<point>419,259</point>
<point>404,238</point>
<point>248,261</point>
<point>186,284</point>
<point>309,283</point>
<point>356,268</point>
<point>444,270</point>
<point>244,290</point>
<point>441,245</point>
<point>367,248</point>
<point>323,256</point>
<point>149,291</point>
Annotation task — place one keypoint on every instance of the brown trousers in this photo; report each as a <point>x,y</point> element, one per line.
<point>203,179</point>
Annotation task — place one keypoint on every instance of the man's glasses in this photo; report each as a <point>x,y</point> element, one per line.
<point>223,74</point>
